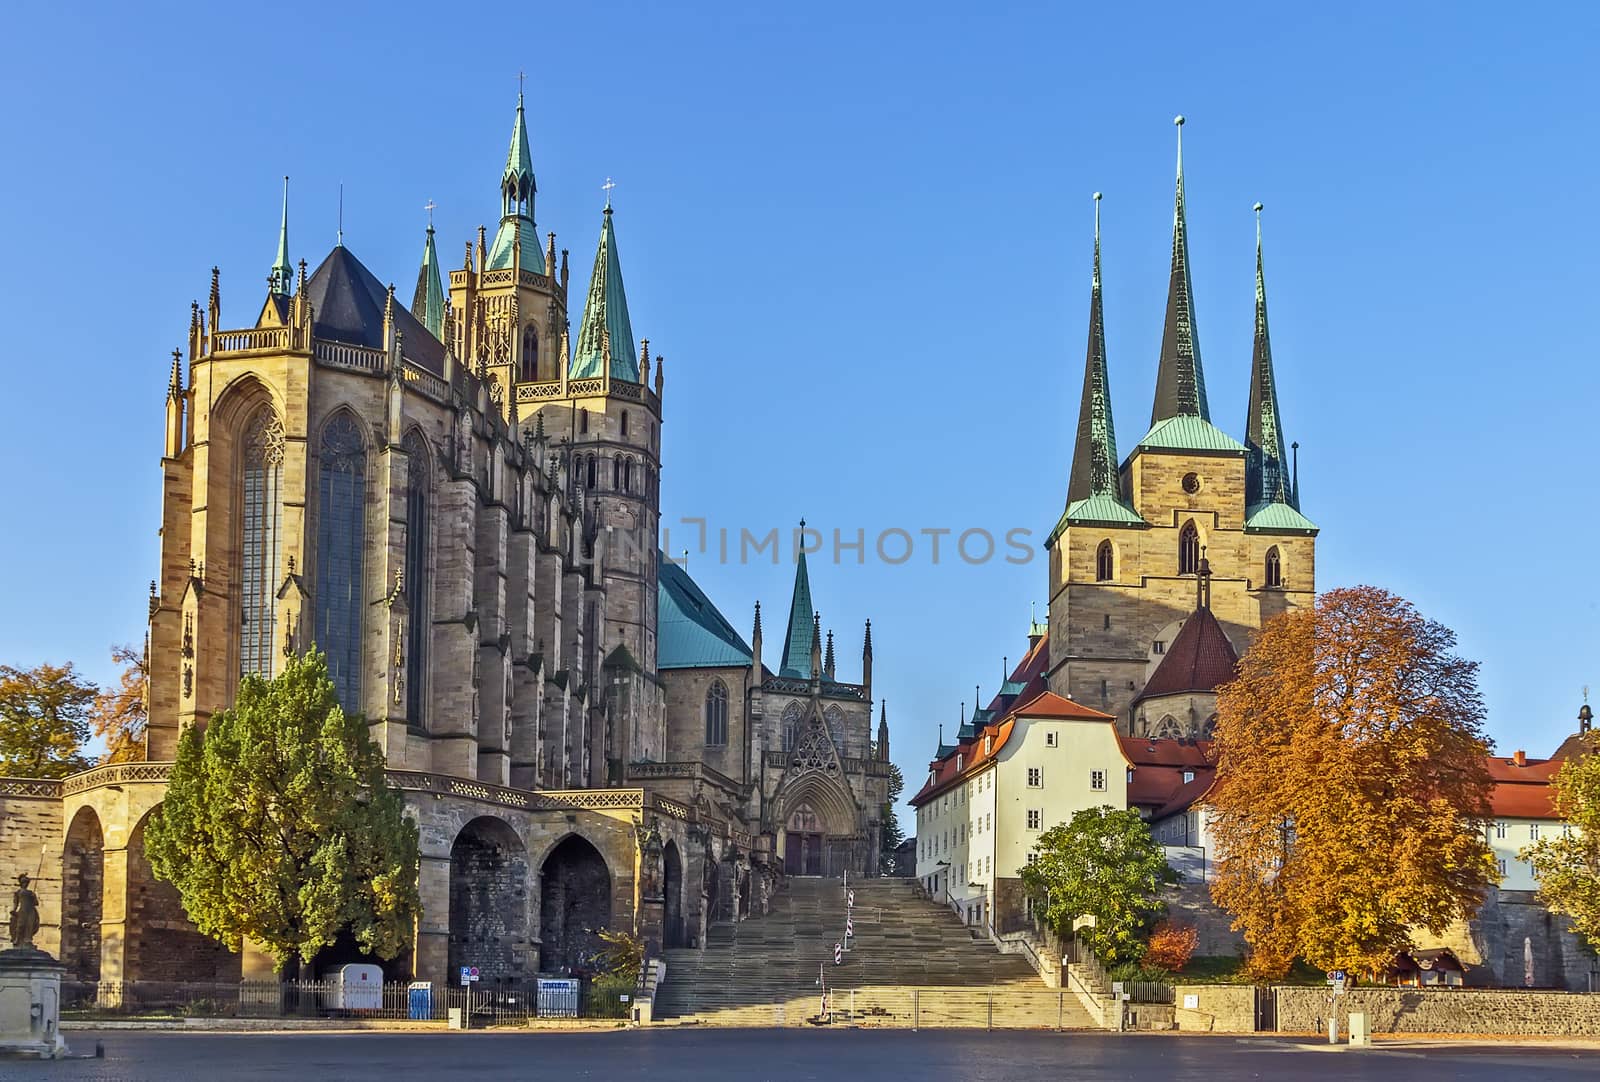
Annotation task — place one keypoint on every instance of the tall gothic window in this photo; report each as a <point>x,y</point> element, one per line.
<point>717,714</point>
<point>416,584</point>
<point>627,475</point>
<point>261,536</point>
<point>1274,570</point>
<point>1189,549</point>
<point>590,469</point>
<point>616,474</point>
<point>1104,563</point>
<point>530,355</point>
<point>341,537</point>
<point>793,715</point>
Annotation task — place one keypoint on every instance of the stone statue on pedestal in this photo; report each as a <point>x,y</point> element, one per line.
<point>24,913</point>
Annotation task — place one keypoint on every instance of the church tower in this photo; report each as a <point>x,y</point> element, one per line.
<point>507,309</point>
<point>1191,508</point>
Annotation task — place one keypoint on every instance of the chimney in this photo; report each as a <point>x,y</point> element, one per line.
<point>1519,757</point>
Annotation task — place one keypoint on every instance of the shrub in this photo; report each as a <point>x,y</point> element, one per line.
<point>1171,945</point>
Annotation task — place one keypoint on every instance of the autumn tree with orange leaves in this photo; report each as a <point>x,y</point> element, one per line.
<point>1351,790</point>
<point>120,713</point>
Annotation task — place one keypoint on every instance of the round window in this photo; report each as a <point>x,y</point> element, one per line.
<point>1191,483</point>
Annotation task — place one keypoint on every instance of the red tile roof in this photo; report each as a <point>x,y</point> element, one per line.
<point>1164,752</point>
<point>1047,704</point>
<point>1505,768</point>
<point>1524,800</point>
<point>1200,659</point>
<point>1158,770</point>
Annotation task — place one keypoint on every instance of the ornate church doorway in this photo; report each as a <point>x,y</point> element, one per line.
<point>803,843</point>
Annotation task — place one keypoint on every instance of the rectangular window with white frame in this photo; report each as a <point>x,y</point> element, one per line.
<point>1035,777</point>
<point>1533,832</point>
<point>1035,819</point>
<point>1097,780</point>
<point>1050,739</point>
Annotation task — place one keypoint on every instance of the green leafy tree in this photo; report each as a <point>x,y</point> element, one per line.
<point>278,826</point>
<point>892,835</point>
<point>44,720</point>
<point>1568,866</point>
<point>1102,864</point>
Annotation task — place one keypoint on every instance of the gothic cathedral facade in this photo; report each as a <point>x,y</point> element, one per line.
<point>457,503</point>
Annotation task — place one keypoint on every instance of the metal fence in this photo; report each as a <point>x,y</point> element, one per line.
<point>491,1003</point>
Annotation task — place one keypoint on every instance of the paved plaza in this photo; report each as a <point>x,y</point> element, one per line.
<point>756,1055</point>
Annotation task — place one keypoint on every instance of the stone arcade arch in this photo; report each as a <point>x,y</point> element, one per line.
<point>161,944</point>
<point>574,903</point>
<point>673,931</point>
<point>489,901</point>
<point>83,868</point>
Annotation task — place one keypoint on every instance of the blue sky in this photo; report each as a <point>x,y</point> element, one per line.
<point>860,234</point>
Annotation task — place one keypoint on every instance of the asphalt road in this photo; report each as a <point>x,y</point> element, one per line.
<point>752,1055</point>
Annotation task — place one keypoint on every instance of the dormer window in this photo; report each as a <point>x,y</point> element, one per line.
<point>1188,776</point>
<point>961,761</point>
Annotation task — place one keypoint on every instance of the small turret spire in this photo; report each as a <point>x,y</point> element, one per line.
<point>1094,488</point>
<point>883,731</point>
<point>1266,478</point>
<point>427,303</point>
<point>827,661</point>
<point>282,273</point>
<point>795,661</point>
<point>512,243</point>
<point>1180,381</point>
<point>606,332</point>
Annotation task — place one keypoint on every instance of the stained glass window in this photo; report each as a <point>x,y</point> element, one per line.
<point>717,714</point>
<point>1274,570</point>
<point>416,580</point>
<point>530,355</point>
<point>1188,549</point>
<point>341,537</point>
<point>262,492</point>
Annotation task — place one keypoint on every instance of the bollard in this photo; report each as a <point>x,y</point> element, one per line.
<point>916,1013</point>
<point>1333,1029</point>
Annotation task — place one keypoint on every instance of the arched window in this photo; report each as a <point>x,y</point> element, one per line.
<point>1168,729</point>
<point>1274,568</point>
<point>530,355</point>
<point>627,475</point>
<point>793,715</point>
<point>624,422</point>
<point>1104,563</point>
<point>716,714</point>
<point>341,541</point>
<point>589,469</point>
<point>616,474</point>
<point>416,584</point>
<point>261,491</point>
<point>583,421</point>
<point>1189,549</point>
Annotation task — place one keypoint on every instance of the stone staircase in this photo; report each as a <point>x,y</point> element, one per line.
<point>911,962</point>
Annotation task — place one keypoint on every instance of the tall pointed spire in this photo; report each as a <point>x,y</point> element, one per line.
<point>427,303</point>
<point>517,191</point>
<point>283,274</point>
<point>1094,488</point>
<point>1180,382</point>
<point>796,661</point>
<point>606,330</point>
<point>1266,474</point>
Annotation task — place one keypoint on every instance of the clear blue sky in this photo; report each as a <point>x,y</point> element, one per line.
<point>861,235</point>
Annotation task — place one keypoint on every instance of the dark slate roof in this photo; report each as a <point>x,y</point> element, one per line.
<point>1200,659</point>
<point>691,633</point>
<point>347,306</point>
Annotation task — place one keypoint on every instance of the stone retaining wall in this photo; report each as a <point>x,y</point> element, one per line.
<point>1218,1008</point>
<point>1419,1010</point>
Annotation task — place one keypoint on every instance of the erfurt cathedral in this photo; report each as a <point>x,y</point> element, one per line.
<point>456,500</point>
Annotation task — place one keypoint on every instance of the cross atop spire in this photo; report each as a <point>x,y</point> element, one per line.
<point>282,272</point>
<point>1180,382</point>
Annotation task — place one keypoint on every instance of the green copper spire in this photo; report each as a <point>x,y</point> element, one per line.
<point>427,304</point>
<point>801,633</point>
<point>1180,382</point>
<point>1094,488</point>
<point>1266,479</point>
<point>517,189</point>
<point>605,327</point>
<point>282,273</point>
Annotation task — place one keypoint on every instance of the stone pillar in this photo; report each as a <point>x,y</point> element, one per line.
<point>113,926</point>
<point>431,953</point>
